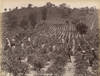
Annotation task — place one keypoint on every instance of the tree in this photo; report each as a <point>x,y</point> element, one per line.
<point>9,9</point>
<point>63,5</point>
<point>16,8</point>
<point>29,5</point>
<point>5,9</point>
<point>81,28</point>
<point>49,4</point>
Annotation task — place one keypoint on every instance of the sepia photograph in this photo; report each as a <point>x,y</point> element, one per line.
<point>49,38</point>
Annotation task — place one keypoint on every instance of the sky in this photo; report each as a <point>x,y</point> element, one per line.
<point>72,3</point>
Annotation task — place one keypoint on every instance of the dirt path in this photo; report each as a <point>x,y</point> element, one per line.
<point>70,67</point>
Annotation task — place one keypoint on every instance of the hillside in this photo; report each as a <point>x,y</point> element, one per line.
<point>31,16</point>
<point>50,39</point>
